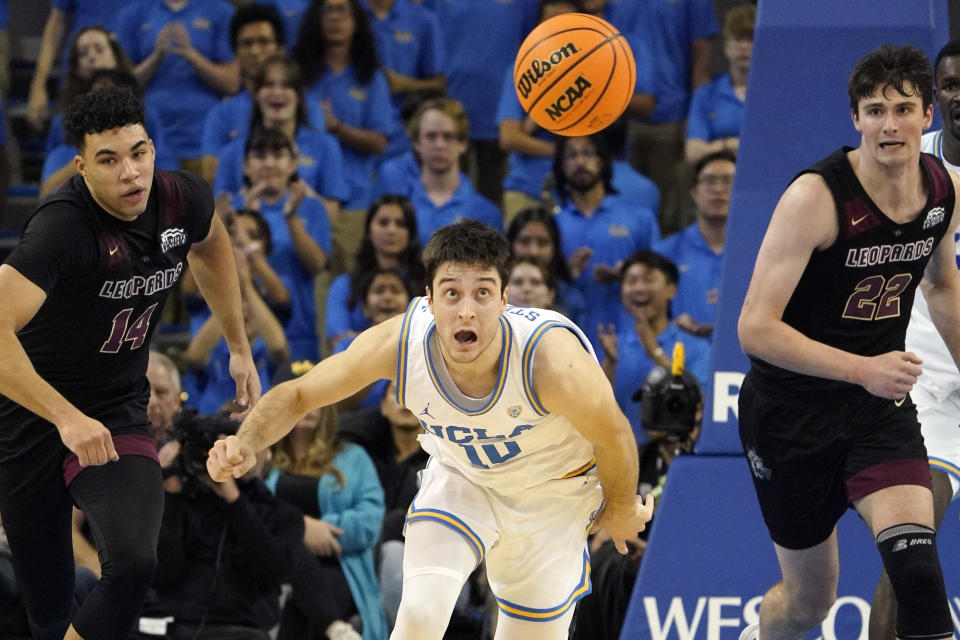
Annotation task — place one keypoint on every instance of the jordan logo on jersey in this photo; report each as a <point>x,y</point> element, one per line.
<point>172,238</point>
<point>426,411</point>
<point>934,216</point>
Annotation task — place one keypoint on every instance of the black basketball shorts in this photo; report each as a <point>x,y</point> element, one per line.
<point>811,458</point>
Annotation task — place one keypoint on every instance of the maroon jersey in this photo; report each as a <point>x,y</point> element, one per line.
<point>106,282</point>
<point>856,295</point>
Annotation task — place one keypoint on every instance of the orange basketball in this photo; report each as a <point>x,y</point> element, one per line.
<point>574,74</point>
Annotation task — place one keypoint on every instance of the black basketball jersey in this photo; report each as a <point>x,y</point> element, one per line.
<point>106,282</point>
<point>857,294</point>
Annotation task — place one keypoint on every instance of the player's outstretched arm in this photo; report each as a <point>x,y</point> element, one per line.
<point>213,267</point>
<point>941,284</point>
<point>804,221</point>
<point>20,382</point>
<point>371,356</point>
<point>568,381</point>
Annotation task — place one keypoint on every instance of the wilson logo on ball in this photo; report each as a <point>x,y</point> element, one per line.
<point>540,68</point>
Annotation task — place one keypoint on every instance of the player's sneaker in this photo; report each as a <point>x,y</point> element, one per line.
<point>341,630</point>
<point>752,632</point>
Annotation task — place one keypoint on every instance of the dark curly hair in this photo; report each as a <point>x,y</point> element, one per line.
<point>469,242</point>
<point>599,142</point>
<point>310,50</point>
<point>102,110</point>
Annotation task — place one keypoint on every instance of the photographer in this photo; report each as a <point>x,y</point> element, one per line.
<point>224,549</point>
<point>671,407</point>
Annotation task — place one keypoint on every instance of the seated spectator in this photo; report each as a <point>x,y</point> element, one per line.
<point>716,108</point>
<point>672,403</point>
<point>166,395</point>
<point>534,233</point>
<point>279,104</point>
<point>224,550</point>
<point>598,229</point>
<point>256,33</point>
<point>398,172</point>
<point>92,48</point>
<point>698,250</point>
<point>531,283</point>
<point>253,241</point>
<point>208,382</point>
<point>388,433</point>
<point>76,15</point>
<point>389,241</point>
<point>384,293</point>
<point>440,133</point>
<point>648,282</point>
<point>347,94</point>
<point>299,229</point>
<point>58,164</point>
<point>181,49</point>
<point>336,487</point>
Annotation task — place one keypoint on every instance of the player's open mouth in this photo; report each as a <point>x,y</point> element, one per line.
<point>465,337</point>
<point>133,195</point>
<point>890,145</point>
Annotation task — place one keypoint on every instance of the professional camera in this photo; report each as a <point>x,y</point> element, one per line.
<point>670,399</point>
<point>196,435</point>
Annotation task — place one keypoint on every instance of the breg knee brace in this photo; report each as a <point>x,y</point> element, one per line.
<point>909,553</point>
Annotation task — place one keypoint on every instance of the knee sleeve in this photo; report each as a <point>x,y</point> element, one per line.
<point>909,553</point>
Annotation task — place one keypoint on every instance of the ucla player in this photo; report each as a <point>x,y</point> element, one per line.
<point>937,392</point>
<point>528,447</point>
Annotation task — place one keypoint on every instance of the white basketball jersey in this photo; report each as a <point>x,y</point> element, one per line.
<point>940,376</point>
<point>506,441</point>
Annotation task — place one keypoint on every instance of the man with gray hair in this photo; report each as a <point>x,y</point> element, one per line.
<point>166,395</point>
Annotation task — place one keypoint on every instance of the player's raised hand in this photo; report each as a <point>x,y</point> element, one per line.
<point>89,440</point>
<point>229,457</point>
<point>890,375</point>
<point>626,524</point>
<point>244,373</point>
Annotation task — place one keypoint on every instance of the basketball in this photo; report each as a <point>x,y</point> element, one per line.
<point>574,74</point>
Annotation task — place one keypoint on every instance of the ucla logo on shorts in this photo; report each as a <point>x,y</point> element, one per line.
<point>514,411</point>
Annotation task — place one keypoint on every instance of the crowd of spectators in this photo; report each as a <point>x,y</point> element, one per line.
<point>337,135</point>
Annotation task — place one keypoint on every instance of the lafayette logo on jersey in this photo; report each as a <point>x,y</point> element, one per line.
<point>172,238</point>
<point>934,216</point>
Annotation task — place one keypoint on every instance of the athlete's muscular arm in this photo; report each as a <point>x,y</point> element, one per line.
<point>569,381</point>
<point>19,381</point>
<point>941,285</point>
<point>212,265</point>
<point>370,357</point>
<point>803,222</point>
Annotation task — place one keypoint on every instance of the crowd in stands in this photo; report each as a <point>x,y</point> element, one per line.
<point>337,136</point>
